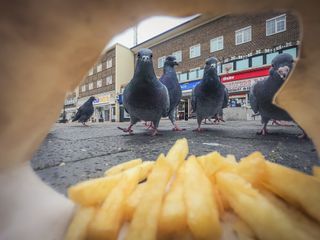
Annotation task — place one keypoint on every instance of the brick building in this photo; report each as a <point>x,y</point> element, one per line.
<point>244,45</point>
<point>104,81</point>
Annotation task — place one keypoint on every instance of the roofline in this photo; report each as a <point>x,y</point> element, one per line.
<point>113,47</point>
<point>176,31</point>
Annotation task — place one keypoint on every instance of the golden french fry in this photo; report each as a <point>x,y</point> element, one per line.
<point>123,166</point>
<point>133,200</point>
<point>316,172</point>
<point>298,219</point>
<point>243,231</point>
<point>79,225</point>
<point>109,218</point>
<point>93,192</point>
<point>145,169</point>
<point>173,213</point>
<point>295,187</point>
<point>253,168</point>
<point>214,162</point>
<point>266,220</point>
<point>145,219</point>
<point>202,210</point>
<point>178,153</point>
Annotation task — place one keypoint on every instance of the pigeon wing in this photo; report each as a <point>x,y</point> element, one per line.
<point>253,99</point>
<point>193,100</point>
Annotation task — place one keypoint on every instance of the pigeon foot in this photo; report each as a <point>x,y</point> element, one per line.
<point>263,132</point>
<point>128,130</point>
<point>199,130</point>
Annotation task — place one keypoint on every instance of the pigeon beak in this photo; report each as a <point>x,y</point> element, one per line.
<point>175,63</point>
<point>283,72</point>
<point>145,58</point>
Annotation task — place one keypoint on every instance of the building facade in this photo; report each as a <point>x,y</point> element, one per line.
<point>103,81</point>
<point>244,45</point>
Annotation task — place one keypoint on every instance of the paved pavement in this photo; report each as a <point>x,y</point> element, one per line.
<point>71,152</point>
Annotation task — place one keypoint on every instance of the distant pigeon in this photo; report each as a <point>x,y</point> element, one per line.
<point>170,80</point>
<point>84,112</point>
<point>209,95</point>
<point>262,93</point>
<point>145,98</point>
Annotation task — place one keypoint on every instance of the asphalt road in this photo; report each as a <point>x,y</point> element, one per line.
<point>71,153</point>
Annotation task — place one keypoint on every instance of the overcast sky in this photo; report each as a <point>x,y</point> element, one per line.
<point>147,29</point>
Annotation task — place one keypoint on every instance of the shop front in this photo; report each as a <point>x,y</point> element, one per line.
<point>184,108</point>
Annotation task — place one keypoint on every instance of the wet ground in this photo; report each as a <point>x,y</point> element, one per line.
<point>71,153</point>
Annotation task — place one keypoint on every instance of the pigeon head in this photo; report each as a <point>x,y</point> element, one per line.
<point>282,65</point>
<point>91,99</point>
<point>211,66</point>
<point>144,56</point>
<point>170,61</point>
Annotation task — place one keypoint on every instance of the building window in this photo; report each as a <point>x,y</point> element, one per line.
<point>90,86</point>
<point>219,68</point>
<point>178,76</point>
<point>227,67</point>
<point>83,88</point>
<point>242,64</point>
<point>216,44</point>
<point>195,73</point>
<point>109,80</point>
<point>161,61</point>
<point>99,83</point>
<point>178,55</point>
<point>257,61</point>
<point>99,68</point>
<point>195,51</point>
<point>276,25</point>
<point>243,35</point>
<point>291,51</point>
<point>271,56</point>
<point>109,63</point>
<point>90,72</point>
<point>183,77</point>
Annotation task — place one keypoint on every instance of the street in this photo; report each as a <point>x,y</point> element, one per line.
<point>71,152</point>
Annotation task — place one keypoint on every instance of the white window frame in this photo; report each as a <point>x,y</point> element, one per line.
<point>109,80</point>
<point>191,51</point>
<point>109,63</point>
<point>178,55</point>
<point>217,41</point>
<point>99,83</point>
<point>161,61</point>
<point>90,86</point>
<point>276,19</point>
<point>99,67</point>
<point>90,71</point>
<point>83,88</point>
<point>195,70</point>
<point>242,31</point>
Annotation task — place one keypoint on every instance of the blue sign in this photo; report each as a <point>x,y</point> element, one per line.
<point>189,85</point>
<point>120,99</point>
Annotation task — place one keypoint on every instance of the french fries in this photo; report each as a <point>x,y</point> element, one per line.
<point>295,187</point>
<point>178,153</point>
<point>256,210</point>
<point>108,220</point>
<point>123,166</point>
<point>202,211</point>
<point>198,198</point>
<point>94,191</point>
<point>78,228</point>
<point>145,219</point>
<point>174,213</point>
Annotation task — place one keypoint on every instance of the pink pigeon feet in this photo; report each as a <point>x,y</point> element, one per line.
<point>199,130</point>
<point>218,120</point>
<point>263,132</point>
<point>128,130</point>
<point>177,129</point>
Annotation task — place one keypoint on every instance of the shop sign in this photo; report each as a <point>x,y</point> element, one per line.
<point>188,85</point>
<point>241,85</point>
<point>103,99</point>
<point>248,74</point>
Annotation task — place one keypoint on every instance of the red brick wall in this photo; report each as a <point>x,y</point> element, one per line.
<point>226,26</point>
<point>101,75</point>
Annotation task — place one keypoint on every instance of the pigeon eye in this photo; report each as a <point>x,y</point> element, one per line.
<point>139,55</point>
<point>151,56</point>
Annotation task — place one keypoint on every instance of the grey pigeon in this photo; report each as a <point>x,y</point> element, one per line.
<point>145,98</point>
<point>262,93</point>
<point>209,95</point>
<point>85,111</point>
<point>170,80</point>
